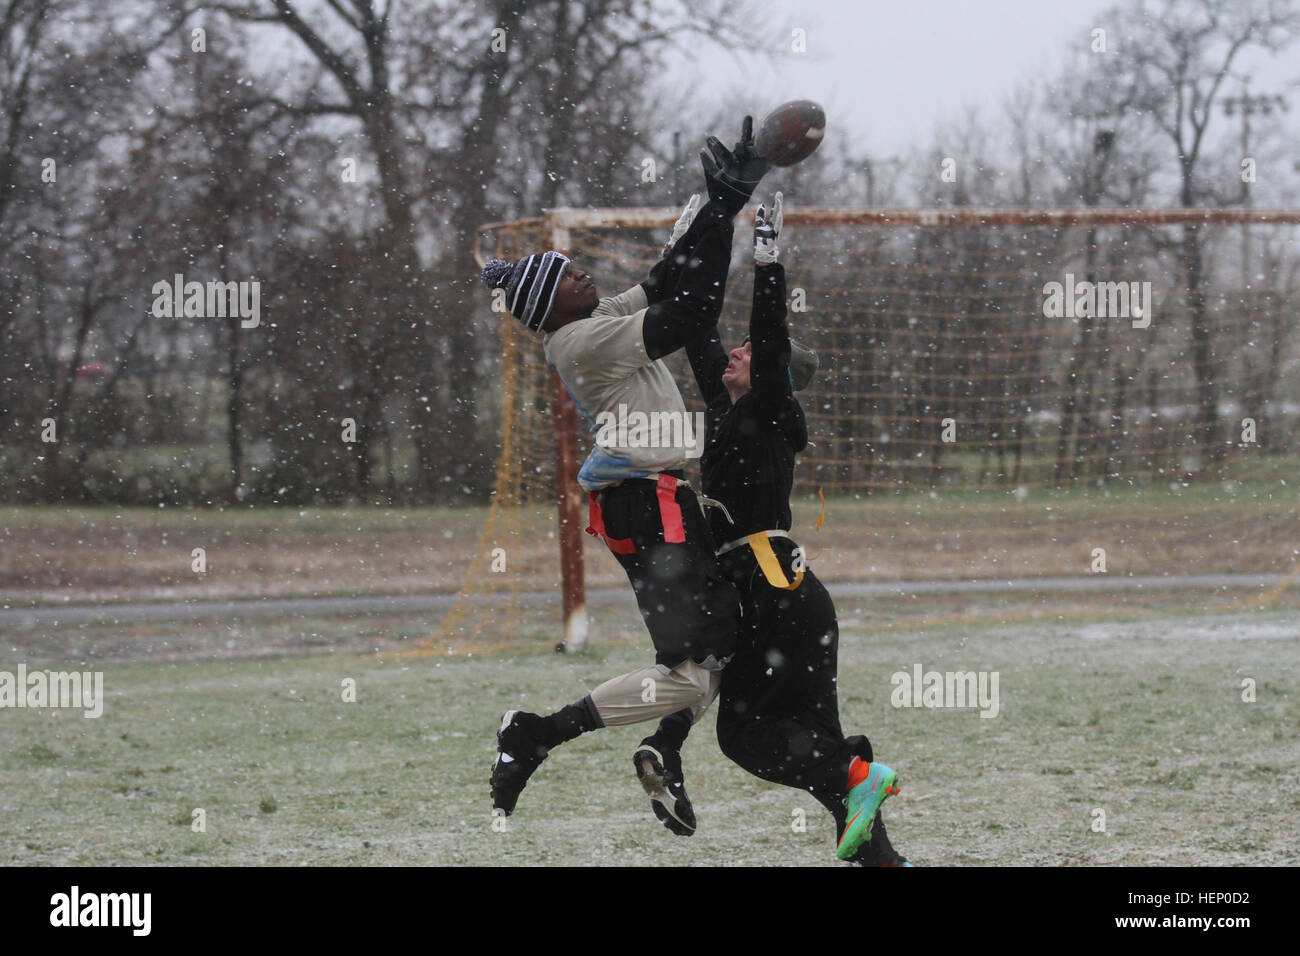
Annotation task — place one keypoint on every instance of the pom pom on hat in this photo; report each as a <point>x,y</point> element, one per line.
<point>496,273</point>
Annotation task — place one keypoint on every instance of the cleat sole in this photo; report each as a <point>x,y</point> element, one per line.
<point>650,772</point>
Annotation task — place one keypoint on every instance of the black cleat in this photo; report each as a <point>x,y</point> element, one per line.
<point>518,754</point>
<point>879,851</point>
<point>660,774</point>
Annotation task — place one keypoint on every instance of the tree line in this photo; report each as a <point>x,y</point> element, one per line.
<point>342,154</point>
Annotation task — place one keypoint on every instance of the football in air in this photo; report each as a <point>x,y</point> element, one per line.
<point>791,132</point>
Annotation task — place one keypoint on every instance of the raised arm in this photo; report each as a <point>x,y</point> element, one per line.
<point>689,229</point>
<point>708,362</point>
<point>697,266</point>
<point>769,338</point>
<point>696,302</point>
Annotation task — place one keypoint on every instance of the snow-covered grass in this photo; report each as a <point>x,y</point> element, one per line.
<point>1141,718</point>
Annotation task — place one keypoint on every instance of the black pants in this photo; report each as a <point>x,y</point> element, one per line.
<point>779,713</point>
<point>690,608</point>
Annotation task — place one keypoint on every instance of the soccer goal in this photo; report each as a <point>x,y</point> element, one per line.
<point>1002,393</point>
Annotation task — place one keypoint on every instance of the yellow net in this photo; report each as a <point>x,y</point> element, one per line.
<point>995,399</point>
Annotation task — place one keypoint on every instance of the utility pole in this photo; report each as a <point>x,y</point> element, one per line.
<point>679,197</point>
<point>1249,105</point>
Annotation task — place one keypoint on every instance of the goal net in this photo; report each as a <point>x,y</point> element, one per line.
<point>1002,394</point>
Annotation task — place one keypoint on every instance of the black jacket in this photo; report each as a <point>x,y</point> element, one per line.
<point>748,461</point>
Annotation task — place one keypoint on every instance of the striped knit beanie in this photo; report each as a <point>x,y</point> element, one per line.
<point>530,285</point>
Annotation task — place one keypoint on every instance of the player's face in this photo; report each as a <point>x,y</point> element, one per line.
<point>736,374</point>
<point>576,294</point>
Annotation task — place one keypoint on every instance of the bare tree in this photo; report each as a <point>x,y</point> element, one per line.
<point>1174,59</point>
<point>22,24</point>
<point>61,96</point>
<point>470,112</point>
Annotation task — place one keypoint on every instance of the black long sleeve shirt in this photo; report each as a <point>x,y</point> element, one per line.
<point>686,287</point>
<point>748,461</point>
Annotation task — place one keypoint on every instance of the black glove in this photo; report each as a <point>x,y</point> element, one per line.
<point>732,176</point>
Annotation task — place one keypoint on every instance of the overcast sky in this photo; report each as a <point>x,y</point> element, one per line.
<point>889,71</point>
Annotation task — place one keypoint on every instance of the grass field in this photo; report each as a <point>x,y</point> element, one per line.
<point>1128,702</point>
<point>106,555</point>
<point>1140,715</point>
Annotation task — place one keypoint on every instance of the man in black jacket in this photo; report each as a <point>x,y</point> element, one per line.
<point>778,717</point>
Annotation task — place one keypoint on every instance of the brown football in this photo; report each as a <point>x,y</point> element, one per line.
<point>791,132</point>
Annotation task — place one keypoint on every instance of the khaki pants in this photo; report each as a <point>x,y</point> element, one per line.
<point>654,692</point>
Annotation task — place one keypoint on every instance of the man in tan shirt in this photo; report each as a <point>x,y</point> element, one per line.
<point>608,352</point>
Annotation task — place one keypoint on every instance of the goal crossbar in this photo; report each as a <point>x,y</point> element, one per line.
<point>558,229</point>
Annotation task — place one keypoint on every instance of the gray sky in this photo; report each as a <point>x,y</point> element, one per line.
<point>889,71</point>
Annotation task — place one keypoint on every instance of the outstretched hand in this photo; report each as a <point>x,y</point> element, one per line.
<point>731,176</point>
<point>752,165</point>
<point>767,226</point>
<point>683,222</point>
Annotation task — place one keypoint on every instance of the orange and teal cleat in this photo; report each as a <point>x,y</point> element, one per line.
<point>874,783</point>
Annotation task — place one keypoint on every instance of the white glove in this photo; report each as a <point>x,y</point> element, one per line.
<point>683,222</point>
<point>767,226</point>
